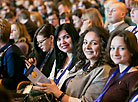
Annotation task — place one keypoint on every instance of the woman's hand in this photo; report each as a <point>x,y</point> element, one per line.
<point>48,88</point>
<point>27,64</point>
<point>32,60</point>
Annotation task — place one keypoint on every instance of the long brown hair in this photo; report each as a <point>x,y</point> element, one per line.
<point>94,15</point>
<point>23,33</point>
<point>103,36</point>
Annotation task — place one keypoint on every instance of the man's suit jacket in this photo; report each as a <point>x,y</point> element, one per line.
<point>122,26</point>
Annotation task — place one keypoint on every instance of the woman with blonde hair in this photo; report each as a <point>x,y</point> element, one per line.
<point>36,18</point>
<point>91,17</point>
<point>21,37</point>
<point>12,65</point>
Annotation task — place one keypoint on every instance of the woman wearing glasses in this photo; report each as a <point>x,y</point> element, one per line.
<point>87,78</point>
<point>43,49</point>
<point>65,45</point>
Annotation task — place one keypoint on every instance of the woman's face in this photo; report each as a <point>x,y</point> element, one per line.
<point>86,23</point>
<point>91,46</point>
<point>134,15</point>
<point>14,32</point>
<point>119,52</point>
<point>64,42</point>
<point>44,43</point>
<point>77,21</point>
<point>33,18</point>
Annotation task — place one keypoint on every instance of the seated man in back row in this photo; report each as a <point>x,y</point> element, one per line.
<point>11,61</point>
<point>116,14</point>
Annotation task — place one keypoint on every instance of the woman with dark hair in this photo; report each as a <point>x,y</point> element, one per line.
<point>76,17</point>
<point>87,78</point>
<point>43,49</point>
<point>65,45</point>
<point>123,51</point>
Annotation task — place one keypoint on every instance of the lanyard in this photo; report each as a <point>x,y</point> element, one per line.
<point>98,99</point>
<point>43,63</point>
<point>134,98</point>
<point>133,31</point>
<point>57,80</point>
<point>85,67</point>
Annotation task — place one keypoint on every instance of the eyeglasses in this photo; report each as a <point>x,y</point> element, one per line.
<point>40,42</point>
<point>84,19</point>
<point>134,8</point>
<point>53,19</point>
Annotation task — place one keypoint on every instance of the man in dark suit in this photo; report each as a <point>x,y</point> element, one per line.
<point>116,14</point>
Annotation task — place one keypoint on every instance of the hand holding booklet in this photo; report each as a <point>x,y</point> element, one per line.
<point>35,75</point>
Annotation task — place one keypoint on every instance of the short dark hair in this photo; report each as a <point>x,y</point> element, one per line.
<point>87,4</point>
<point>25,14</point>
<point>20,6</point>
<point>52,13</point>
<point>78,13</point>
<point>9,15</point>
<point>66,14</point>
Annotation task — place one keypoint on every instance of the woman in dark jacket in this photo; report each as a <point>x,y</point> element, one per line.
<point>12,64</point>
<point>43,48</point>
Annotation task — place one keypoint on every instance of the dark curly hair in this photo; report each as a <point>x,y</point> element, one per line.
<point>103,36</point>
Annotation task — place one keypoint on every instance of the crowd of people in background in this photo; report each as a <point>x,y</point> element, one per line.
<point>87,48</point>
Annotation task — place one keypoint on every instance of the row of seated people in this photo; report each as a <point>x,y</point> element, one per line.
<point>78,67</point>
<point>81,61</point>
